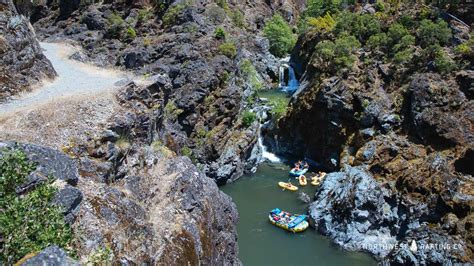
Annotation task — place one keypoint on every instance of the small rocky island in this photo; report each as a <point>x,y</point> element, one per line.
<point>120,122</point>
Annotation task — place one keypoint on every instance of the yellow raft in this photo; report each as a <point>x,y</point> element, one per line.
<point>288,186</point>
<point>290,222</point>
<point>302,180</point>
<point>318,178</point>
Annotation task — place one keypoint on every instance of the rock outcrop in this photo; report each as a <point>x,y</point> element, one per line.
<point>52,255</point>
<point>398,140</point>
<point>22,63</point>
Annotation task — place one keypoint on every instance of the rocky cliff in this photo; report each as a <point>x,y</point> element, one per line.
<point>398,135</point>
<point>178,40</point>
<point>22,63</point>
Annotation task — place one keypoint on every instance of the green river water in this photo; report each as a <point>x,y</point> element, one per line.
<point>261,243</point>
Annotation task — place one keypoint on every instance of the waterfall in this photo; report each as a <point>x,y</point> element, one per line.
<point>292,84</point>
<point>266,155</point>
<point>281,76</point>
<point>292,81</point>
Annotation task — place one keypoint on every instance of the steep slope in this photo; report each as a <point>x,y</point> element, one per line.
<point>179,39</point>
<point>386,104</point>
<point>22,63</point>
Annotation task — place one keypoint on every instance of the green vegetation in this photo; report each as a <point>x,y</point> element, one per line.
<point>228,49</point>
<point>323,24</point>
<point>406,39</point>
<point>279,107</point>
<point>333,56</point>
<point>102,256</point>
<point>145,14</point>
<point>431,33</point>
<point>222,4</point>
<point>363,26</point>
<point>281,37</point>
<point>169,18</point>
<point>131,33</point>
<point>28,223</point>
<point>171,111</point>
<point>251,74</point>
<point>317,8</point>
<point>220,33</point>
<point>466,49</point>
<point>116,25</point>
<point>186,151</point>
<point>248,117</point>
<point>238,18</point>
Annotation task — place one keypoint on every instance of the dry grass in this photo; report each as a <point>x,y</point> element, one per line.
<point>59,122</point>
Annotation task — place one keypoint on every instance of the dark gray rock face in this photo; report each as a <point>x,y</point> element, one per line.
<point>351,209</point>
<point>22,63</point>
<point>68,198</point>
<point>50,163</point>
<point>53,256</point>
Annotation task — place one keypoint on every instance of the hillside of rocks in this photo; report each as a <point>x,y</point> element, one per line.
<point>208,91</point>
<point>22,63</point>
<point>389,111</point>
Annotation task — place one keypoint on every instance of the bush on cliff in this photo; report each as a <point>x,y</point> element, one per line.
<point>281,37</point>
<point>334,56</point>
<point>248,117</point>
<point>228,49</point>
<point>220,33</point>
<point>251,74</point>
<point>431,33</point>
<point>28,223</point>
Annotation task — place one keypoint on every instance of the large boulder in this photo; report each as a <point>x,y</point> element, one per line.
<point>22,63</point>
<point>350,207</point>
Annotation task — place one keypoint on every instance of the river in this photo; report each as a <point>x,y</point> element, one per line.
<point>261,243</point>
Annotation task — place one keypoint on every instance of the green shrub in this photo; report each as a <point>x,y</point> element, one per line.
<point>145,14</point>
<point>443,63</point>
<point>251,74</point>
<point>28,223</point>
<point>325,23</point>
<point>116,25</point>
<point>279,107</point>
<point>131,33</point>
<point>228,49</point>
<point>431,33</point>
<point>248,118</point>
<point>403,57</point>
<point>363,26</point>
<point>334,56</point>
<point>238,19</point>
<point>169,17</point>
<point>171,111</point>
<point>379,6</point>
<point>281,37</point>
<point>466,49</point>
<point>186,151</point>
<point>222,4</point>
<point>220,33</point>
<point>317,8</point>
<point>378,41</point>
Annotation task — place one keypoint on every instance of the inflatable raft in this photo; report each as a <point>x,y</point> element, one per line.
<point>291,222</point>
<point>302,180</point>
<point>297,173</point>
<point>288,186</point>
<point>318,179</point>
